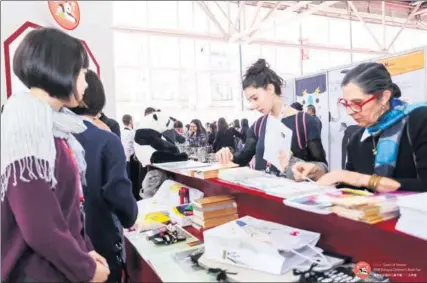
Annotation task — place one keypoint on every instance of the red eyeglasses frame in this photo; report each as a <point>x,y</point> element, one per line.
<point>344,102</point>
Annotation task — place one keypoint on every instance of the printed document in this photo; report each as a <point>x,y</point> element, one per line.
<point>278,138</point>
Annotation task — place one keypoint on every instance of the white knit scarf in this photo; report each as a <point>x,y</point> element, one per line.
<point>28,129</point>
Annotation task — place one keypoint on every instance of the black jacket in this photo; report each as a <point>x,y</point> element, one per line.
<point>226,139</point>
<point>311,146</point>
<point>109,203</point>
<point>111,123</point>
<point>410,173</point>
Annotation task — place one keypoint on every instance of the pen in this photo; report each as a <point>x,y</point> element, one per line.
<point>309,180</point>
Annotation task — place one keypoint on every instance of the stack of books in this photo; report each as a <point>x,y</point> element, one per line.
<point>210,172</point>
<point>368,209</point>
<point>213,211</point>
<point>413,211</point>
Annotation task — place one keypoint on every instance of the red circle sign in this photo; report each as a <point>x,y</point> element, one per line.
<point>362,269</point>
<point>65,13</point>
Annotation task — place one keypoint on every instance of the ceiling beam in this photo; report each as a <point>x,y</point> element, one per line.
<point>212,17</point>
<point>219,38</point>
<point>340,13</point>
<point>354,9</point>
<point>410,17</point>
<point>421,12</point>
<point>257,25</point>
<point>230,23</point>
<point>240,11</point>
<point>264,20</point>
<point>297,18</point>
<point>258,9</point>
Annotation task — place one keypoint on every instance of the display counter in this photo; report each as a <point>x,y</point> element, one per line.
<point>401,257</point>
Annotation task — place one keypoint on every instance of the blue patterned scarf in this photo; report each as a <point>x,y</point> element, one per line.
<point>390,129</point>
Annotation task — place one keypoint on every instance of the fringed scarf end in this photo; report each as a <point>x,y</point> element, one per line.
<point>30,169</point>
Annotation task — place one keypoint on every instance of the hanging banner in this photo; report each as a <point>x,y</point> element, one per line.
<point>313,91</point>
<point>65,13</point>
<point>405,63</point>
<point>408,72</point>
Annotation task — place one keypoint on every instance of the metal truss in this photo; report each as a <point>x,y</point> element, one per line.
<point>295,11</point>
<point>237,28</point>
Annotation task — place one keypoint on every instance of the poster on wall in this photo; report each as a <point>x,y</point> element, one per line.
<point>409,73</point>
<point>13,84</point>
<point>313,91</point>
<point>341,124</point>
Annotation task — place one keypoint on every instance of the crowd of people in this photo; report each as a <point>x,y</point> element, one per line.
<point>66,170</point>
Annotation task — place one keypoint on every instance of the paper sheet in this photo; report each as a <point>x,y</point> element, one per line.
<point>278,138</point>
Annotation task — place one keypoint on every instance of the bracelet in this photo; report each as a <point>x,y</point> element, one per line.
<point>377,182</point>
<point>374,182</point>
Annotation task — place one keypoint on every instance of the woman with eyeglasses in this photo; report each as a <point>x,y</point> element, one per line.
<point>389,152</point>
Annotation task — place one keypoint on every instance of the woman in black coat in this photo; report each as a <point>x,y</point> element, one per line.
<point>389,152</point>
<point>225,136</point>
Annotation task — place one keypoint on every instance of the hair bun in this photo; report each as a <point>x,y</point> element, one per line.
<point>258,67</point>
<point>395,91</point>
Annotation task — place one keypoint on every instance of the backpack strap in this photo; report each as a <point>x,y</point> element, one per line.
<point>258,126</point>
<point>301,144</point>
<point>305,128</point>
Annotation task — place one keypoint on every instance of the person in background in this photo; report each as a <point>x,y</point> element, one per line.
<point>236,124</point>
<point>109,204</point>
<point>262,87</point>
<point>244,130</point>
<point>212,133</point>
<point>197,134</point>
<point>111,123</point>
<point>43,166</point>
<point>187,130</point>
<point>127,121</point>
<point>179,127</point>
<point>131,160</point>
<point>389,152</point>
<point>297,106</point>
<point>127,136</point>
<point>312,111</point>
<point>225,136</point>
<point>208,127</point>
<point>173,136</point>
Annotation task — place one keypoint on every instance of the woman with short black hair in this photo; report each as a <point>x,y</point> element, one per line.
<point>43,166</point>
<point>389,152</point>
<point>109,202</point>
